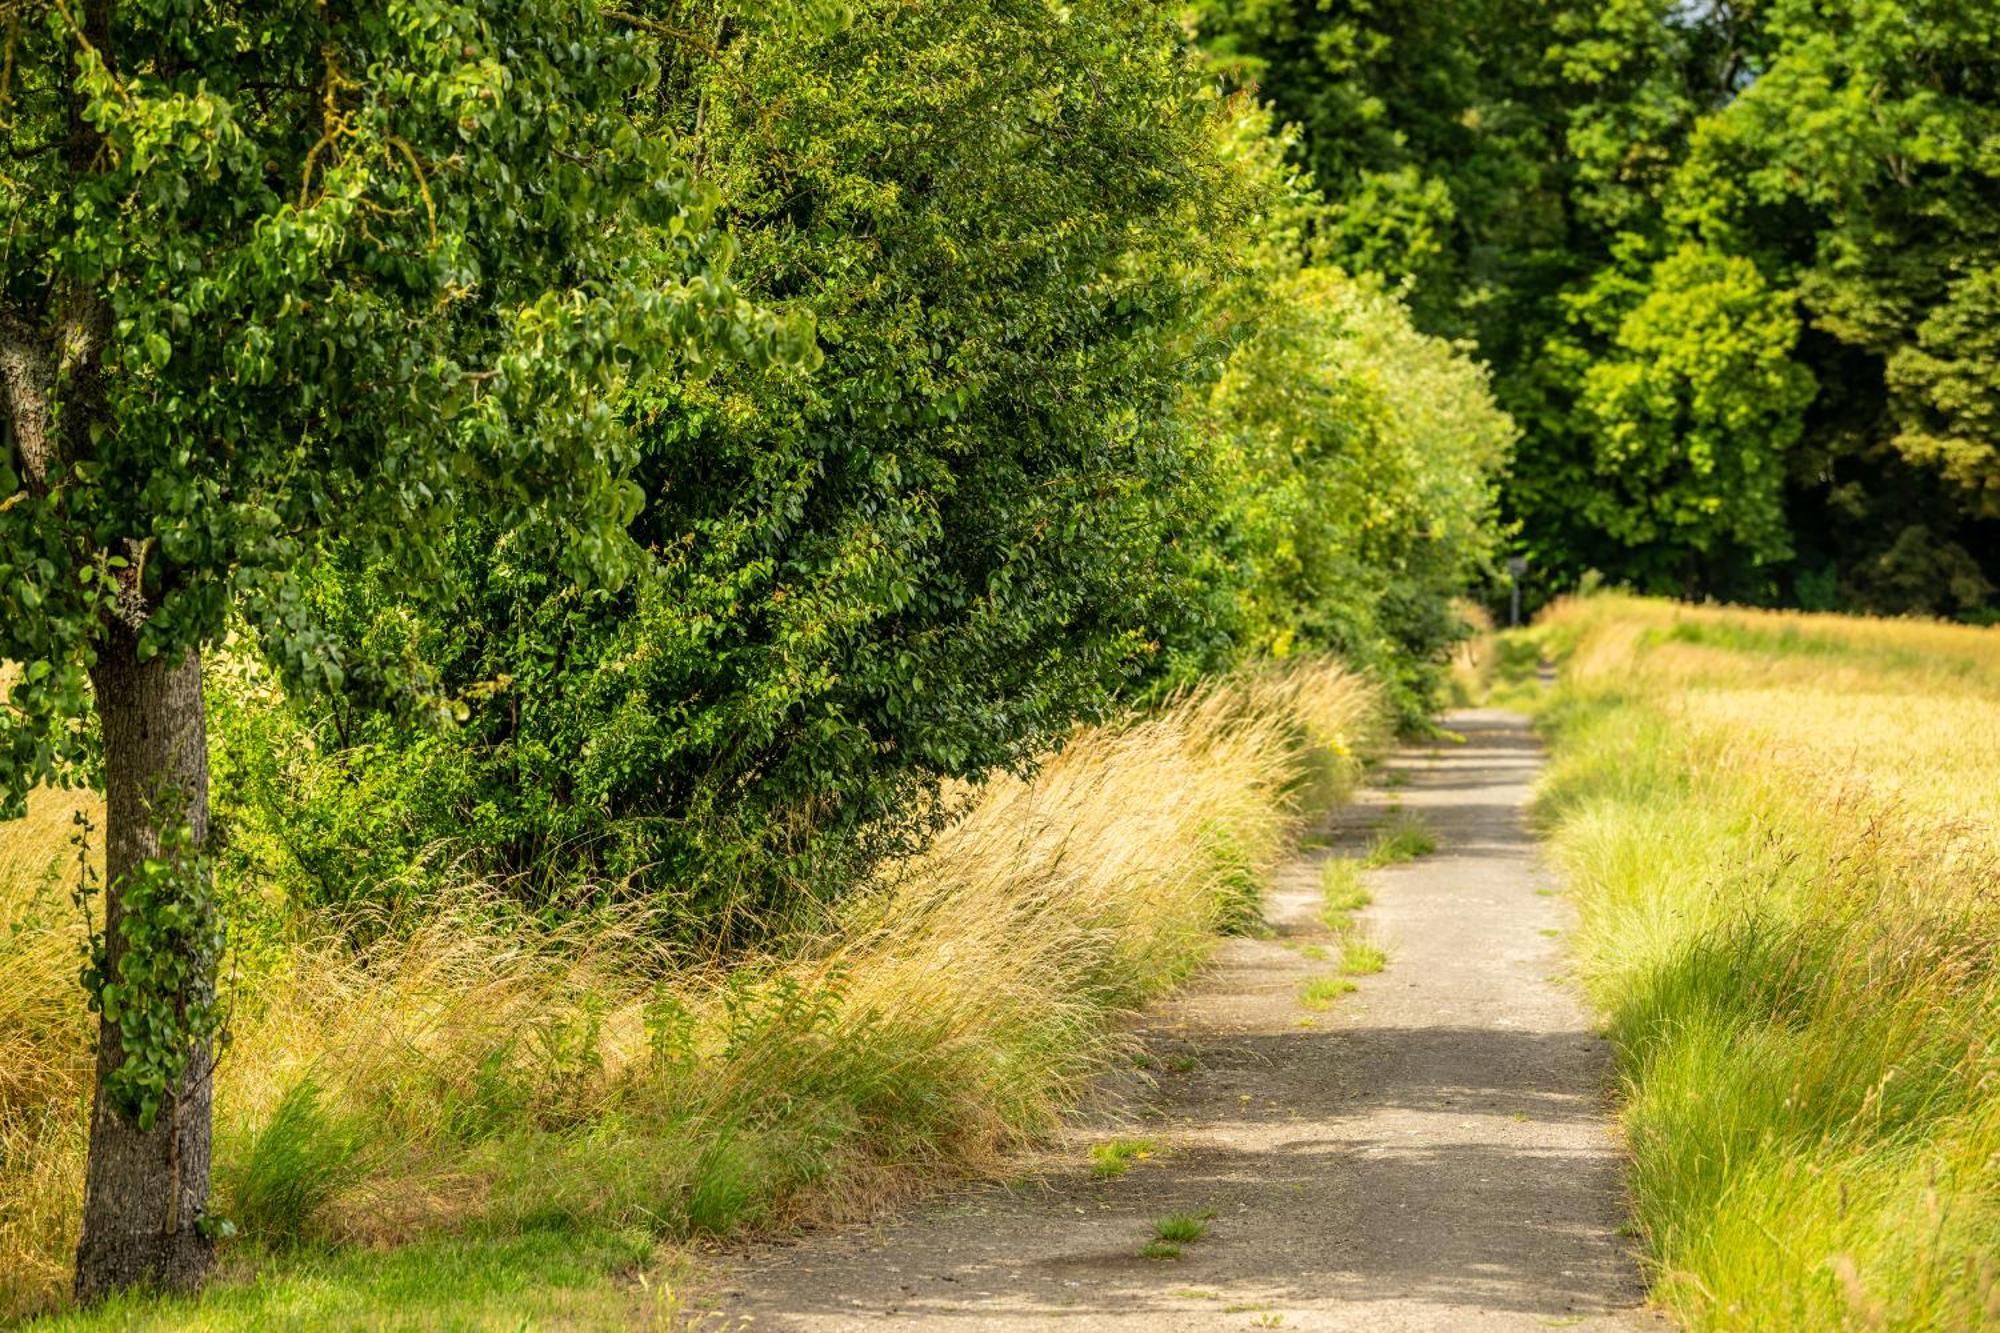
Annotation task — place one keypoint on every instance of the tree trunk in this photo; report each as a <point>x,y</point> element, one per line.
<point>146,1190</point>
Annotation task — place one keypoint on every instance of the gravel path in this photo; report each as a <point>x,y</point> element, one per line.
<point>1432,1152</point>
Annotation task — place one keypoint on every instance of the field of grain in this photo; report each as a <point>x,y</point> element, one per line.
<point>1783,834</point>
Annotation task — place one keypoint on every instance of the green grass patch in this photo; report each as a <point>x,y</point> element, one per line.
<point>555,1278</point>
<point>1321,992</point>
<point>1159,1250</point>
<point>1360,957</point>
<point>1180,1228</point>
<point>1116,1156</point>
<point>1342,893</point>
<point>1402,837</point>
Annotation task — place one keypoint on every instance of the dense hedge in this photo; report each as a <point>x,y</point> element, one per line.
<point>1086,424</point>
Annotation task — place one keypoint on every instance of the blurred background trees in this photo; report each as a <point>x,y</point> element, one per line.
<point>1542,174</point>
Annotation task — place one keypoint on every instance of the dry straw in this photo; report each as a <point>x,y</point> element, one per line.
<point>467,1070</point>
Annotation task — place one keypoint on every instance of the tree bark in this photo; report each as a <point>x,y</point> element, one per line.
<point>146,1190</point>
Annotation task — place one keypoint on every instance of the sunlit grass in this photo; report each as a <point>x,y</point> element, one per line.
<point>1359,957</point>
<point>1322,992</point>
<point>562,1277</point>
<point>1342,894</point>
<point>473,1075</point>
<point>1115,1157</point>
<point>1781,833</point>
<point>1403,836</point>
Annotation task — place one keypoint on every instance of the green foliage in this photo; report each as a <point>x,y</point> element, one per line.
<point>1084,425</point>
<point>385,270</point>
<point>1362,454</point>
<point>1420,123</point>
<point>162,999</point>
<point>1858,165</point>
<point>1692,410</point>
<point>1731,265</point>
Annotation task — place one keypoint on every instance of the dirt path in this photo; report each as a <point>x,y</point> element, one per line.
<point>1430,1153</point>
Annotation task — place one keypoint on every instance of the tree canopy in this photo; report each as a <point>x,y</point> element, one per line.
<point>274,273</point>
<point>647,454</point>
<point>1553,178</point>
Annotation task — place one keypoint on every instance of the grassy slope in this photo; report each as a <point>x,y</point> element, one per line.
<point>473,1125</point>
<point>1784,835</point>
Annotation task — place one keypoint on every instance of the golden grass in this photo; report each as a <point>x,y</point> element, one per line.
<point>1783,833</point>
<point>468,1070</point>
<point>1470,673</point>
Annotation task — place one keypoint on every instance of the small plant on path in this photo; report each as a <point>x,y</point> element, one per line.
<point>1403,837</point>
<point>1115,1157</point>
<point>1321,992</point>
<point>1180,1228</point>
<point>1341,888</point>
<point>1362,957</point>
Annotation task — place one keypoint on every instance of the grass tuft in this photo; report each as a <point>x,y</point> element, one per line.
<point>292,1166</point>
<point>1402,837</point>
<point>1342,894</point>
<point>1181,1228</point>
<point>1359,957</point>
<point>1115,1158</point>
<point>1321,992</point>
<point>1340,885</point>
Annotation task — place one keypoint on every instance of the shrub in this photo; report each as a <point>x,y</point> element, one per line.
<point>971,528</point>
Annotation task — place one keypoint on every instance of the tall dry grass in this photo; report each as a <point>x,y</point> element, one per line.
<point>467,1071</point>
<point>1473,658</point>
<point>1784,837</point>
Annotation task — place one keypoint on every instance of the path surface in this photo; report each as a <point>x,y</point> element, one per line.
<point>1432,1153</point>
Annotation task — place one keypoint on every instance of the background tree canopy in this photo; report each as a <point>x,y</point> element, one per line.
<point>1732,264</point>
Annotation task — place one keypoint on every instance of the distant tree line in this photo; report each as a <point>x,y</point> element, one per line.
<point>1735,263</point>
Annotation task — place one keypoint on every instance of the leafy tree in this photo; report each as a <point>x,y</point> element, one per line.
<point>1432,131</point>
<point>274,272</point>
<point>1512,158</point>
<point>971,528</point>
<point>1858,165</point>
<point>1689,414</point>
<point>1363,455</point>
